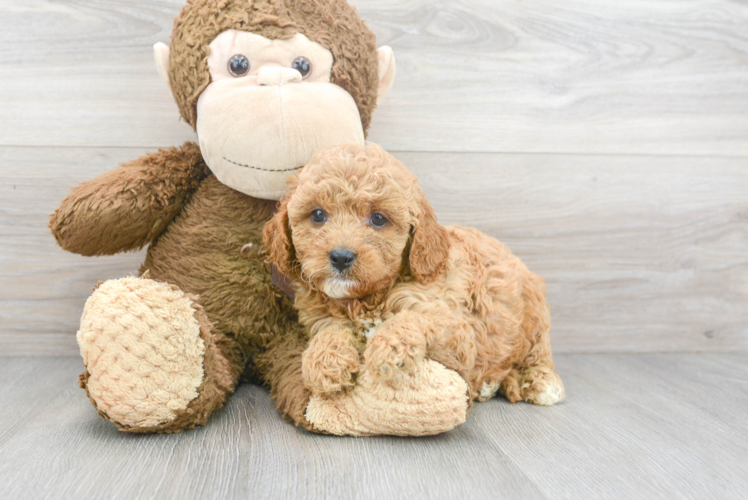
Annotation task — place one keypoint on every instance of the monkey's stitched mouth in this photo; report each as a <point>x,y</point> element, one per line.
<point>263,169</point>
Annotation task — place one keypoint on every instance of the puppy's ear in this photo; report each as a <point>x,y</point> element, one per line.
<point>277,239</point>
<point>429,247</point>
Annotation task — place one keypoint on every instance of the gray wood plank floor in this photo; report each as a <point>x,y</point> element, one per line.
<point>633,426</point>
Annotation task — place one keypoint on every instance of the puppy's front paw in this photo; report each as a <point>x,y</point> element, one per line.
<point>388,357</point>
<point>329,365</point>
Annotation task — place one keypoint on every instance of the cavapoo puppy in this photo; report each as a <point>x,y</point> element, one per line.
<point>380,284</point>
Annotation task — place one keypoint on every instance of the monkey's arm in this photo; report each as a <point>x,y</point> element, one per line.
<point>127,208</point>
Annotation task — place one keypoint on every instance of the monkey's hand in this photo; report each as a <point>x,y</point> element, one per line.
<point>331,361</point>
<point>127,208</point>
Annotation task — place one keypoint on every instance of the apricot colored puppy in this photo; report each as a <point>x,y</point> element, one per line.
<point>378,281</point>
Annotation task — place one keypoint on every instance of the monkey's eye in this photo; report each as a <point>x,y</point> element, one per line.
<point>318,216</point>
<point>378,220</point>
<point>302,65</point>
<point>238,65</point>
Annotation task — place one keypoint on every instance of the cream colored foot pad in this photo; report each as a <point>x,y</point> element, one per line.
<point>432,401</point>
<point>141,345</point>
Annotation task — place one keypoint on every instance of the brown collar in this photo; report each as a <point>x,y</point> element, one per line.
<point>279,279</point>
<point>282,282</point>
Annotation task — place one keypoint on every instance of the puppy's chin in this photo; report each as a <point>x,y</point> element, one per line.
<point>338,288</point>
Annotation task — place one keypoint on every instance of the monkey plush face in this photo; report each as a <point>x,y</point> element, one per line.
<point>268,92</point>
<point>269,108</point>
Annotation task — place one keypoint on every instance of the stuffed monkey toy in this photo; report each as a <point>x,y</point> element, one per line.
<point>265,84</point>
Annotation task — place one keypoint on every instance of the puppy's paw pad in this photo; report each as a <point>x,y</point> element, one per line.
<point>487,390</point>
<point>549,396</point>
<point>330,374</point>
<point>390,360</point>
<point>542,386</point>
<point>327,384</point>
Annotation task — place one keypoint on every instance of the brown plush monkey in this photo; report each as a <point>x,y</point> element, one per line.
<point>266,84</point>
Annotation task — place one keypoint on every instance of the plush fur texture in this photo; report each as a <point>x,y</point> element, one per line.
<point>429,401</point>
<point>416,289</point>
<point>130,357</point>
<point>207,252</point>
<point>332,23</point>
<point>127,208</point>
<point>219,370</point>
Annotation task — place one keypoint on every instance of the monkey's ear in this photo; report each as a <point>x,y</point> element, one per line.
<point>161,55</point>
<point>386,71</point>
<point>429,246</point>
<point>277,239</point>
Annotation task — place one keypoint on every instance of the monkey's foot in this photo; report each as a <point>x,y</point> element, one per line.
<point>152,359</point>
<point>430,401</point>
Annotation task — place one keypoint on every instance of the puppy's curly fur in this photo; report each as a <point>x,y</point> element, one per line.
<point>409,289</point>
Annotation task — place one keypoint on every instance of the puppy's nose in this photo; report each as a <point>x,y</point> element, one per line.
<point>342,258</point>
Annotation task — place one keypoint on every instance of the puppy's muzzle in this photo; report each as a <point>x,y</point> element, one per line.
<point>342,258</point>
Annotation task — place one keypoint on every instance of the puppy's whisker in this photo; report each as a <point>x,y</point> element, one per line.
<point>304,276</point>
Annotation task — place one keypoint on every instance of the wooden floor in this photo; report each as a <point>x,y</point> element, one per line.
<point>633,426</point>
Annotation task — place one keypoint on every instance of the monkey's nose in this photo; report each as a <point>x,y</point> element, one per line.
<point>277,75</point>
<point>342,258</point>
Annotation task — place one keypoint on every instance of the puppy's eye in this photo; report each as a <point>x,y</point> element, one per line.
<point>302,65</point>
<point>378,220</point>
<point>318,216</point>
<point>238,65</point>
